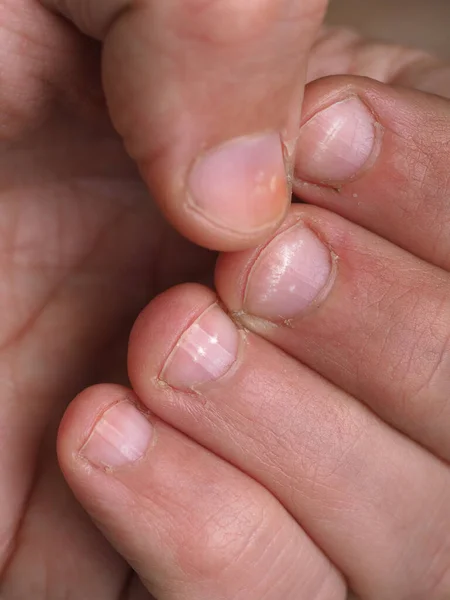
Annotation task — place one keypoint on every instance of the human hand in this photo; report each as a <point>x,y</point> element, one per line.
<point>305,449</point>
<point>81,247</point>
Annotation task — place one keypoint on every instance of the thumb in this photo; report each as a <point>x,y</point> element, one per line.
<point>207,95</point>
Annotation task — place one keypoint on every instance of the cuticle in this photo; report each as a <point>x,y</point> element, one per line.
<point>341,98</point>
<point>332,102</point>
<point>198,213</point>
<point>244,317</point>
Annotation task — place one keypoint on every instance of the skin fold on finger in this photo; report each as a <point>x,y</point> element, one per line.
<point>207,96</point>
<point>363,313</point>
<point>377,155</point>
<point>358,487</point>
<point>190,524</point>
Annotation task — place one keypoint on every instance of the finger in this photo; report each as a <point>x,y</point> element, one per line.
<point>356,486</point>
<point>378,156</point>
<point>190,524</point>
<point>338,51</point>
<point>207,96</point>
<point>365,314</point>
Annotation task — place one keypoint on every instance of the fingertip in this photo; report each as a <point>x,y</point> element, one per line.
<point>230,198</point>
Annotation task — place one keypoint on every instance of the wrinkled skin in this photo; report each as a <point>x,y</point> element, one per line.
<point>83,249</point>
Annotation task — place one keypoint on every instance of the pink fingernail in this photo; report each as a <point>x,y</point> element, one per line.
<point>242,184</point>
<point>121,437</point>
<point>336,143</point>
<point>205,352</point>
<point>289,275</point>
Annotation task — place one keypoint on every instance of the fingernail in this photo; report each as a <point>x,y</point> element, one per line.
<point>289,275</point>
<point>242,184</point>
<point>336,143</point>
<point>121,436</point>
<point>205,352</point>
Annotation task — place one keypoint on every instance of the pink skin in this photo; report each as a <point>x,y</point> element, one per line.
<point>83,244</point>
<point>203,524</point>
<point>333,331</point>
<point>379,196</point>
<point>289,411</point>
<point>283,421</point>
<point>84,248</point>
<point>213,124</point>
